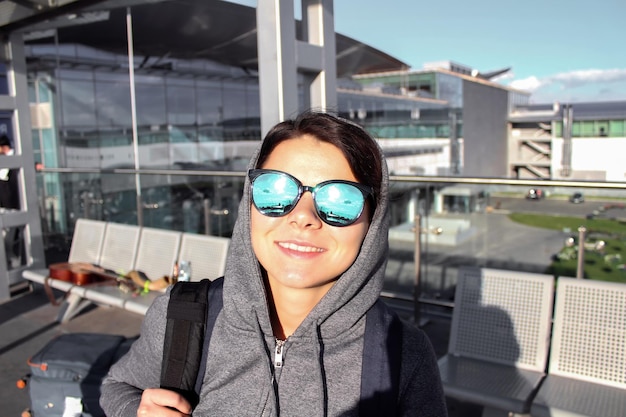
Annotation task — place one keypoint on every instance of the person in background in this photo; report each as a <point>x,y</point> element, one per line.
<point>10,199</point>
<point>9,191</point>
<point>305,265</point>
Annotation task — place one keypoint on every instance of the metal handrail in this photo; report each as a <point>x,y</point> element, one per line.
<point>399,178</point>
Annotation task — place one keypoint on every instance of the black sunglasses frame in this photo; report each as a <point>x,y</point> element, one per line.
<point>366,190</point>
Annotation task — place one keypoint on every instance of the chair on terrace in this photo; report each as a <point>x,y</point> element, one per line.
<point>498,347</point>
<point>120,247</point>
<point>158,252</point>
<point>87,241</point>
<point>587,372</point>
<point>207,255</point>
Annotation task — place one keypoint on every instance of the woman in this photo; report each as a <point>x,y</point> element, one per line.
<point>306,263</point>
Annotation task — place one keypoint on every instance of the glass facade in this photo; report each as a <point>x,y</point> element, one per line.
<point>191,115</point>
<point>594,128</point>
<point>445,88</point>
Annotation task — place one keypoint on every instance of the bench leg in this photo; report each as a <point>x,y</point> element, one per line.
<point>72,305</point>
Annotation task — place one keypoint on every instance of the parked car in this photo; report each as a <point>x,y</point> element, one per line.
<point>577,198</point>
<point>535,194</point>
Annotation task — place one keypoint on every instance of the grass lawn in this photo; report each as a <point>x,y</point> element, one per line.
<point>606,264</point>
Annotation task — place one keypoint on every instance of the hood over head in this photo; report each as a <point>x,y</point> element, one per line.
<point>356,290</point>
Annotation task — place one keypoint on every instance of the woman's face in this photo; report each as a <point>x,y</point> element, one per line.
<point>299,250</point>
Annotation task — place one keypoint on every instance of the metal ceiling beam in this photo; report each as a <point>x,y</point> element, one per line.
<point>70,6</point>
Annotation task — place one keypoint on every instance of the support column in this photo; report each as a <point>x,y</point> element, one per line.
<point>276,44</point>
<point>282,57</point>
<point>319,29</point>
<point>16,102</point>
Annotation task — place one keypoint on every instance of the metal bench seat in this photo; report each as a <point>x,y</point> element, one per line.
<point>499,337</point>
<point>587,372</point>
<point>122,248</point>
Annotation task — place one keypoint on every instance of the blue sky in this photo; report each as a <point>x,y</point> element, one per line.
<point>568,51</point>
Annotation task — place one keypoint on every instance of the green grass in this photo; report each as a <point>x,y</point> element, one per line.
<point>605,226</point>
<point>599,265</point>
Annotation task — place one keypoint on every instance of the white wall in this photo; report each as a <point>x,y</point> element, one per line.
<point>603,156</point>
<point>434,160</point>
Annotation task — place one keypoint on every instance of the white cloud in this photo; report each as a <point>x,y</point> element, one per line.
<point>579,85</point>
<point>527,84</point>
<point>582,77</point>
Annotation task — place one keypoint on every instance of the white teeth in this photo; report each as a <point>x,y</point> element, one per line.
<point>293,246</point>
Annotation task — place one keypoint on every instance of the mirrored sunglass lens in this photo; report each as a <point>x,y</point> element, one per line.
<point>274,194</point>
<point>339,204</point>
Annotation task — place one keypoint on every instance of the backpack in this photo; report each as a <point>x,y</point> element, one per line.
<point>191,314</point>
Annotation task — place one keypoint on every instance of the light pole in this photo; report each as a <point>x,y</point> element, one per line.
<point>580,272</point>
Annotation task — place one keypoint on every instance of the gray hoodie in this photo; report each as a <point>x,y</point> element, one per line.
<point>321,367</point>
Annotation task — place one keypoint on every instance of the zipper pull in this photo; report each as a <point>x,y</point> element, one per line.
<point>278,353</point>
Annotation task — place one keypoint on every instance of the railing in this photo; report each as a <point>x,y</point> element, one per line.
<point>484,222</point>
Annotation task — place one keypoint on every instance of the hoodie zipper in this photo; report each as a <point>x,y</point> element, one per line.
<point>278,353</point>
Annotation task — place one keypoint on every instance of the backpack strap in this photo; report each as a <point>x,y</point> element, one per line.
<point>382,355</point>
<point>184,337</point>
<point>216,302</point>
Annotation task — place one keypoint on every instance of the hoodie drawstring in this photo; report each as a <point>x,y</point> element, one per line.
<point>319,351</point>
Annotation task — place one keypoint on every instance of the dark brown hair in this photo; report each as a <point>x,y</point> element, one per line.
<point>355,143</point>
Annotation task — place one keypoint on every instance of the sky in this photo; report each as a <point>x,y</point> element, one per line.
<point>566,51</point>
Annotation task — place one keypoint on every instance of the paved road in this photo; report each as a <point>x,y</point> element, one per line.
<point>555,206</point>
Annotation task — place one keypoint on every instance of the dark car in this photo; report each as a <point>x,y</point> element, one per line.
<point>577,198</point>
<point>535,194</point>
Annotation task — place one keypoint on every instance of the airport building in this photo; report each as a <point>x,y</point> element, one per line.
<point>577,141</point>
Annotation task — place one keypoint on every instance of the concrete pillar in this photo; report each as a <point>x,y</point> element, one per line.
<point>27,218</point>
<point>282,57</point>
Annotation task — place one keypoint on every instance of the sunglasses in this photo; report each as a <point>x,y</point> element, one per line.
<point>337,202</point>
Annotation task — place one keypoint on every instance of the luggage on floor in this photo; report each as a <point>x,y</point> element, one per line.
<point>66,373</point>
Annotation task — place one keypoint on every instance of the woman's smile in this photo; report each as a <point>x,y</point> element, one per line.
<point>299,247</point>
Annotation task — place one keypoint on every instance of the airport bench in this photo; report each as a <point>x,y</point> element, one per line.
<point>124,248</point>
<point>499,339</point>
<point>587,367</point>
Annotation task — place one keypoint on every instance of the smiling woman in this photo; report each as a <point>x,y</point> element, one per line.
<point>301,296</point>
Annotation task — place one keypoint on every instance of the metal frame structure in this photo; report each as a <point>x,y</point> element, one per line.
<point>27,219</point>
<point>281,56</point>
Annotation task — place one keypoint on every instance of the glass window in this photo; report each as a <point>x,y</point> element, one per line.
<point>151,103</point>
<point>45,95</point>
<point>602,128</point>
<point>32,96</point>
<point>118,77</point>
<point>558,129</point>
<point>253,100</point>
<point>181,103</point>
<point>450,88</point>
<point>209,105</point>
<point>588,128</point>
<point>113,104</point>
<point>617,128</point>
<point>78,105</point>
<point>75,75</point>
<point>50,148</point>
<point>234,101</point>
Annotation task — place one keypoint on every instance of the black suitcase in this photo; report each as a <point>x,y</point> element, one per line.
<point>66,373</point>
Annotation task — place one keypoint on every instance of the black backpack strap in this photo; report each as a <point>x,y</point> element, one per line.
<point>216,302</point>
<point>184,337</point>
<point>382,355</point>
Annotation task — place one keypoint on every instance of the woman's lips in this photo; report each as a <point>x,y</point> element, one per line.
<point>299,247</point>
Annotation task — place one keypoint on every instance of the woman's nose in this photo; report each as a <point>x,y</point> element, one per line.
<point>304,214</point>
